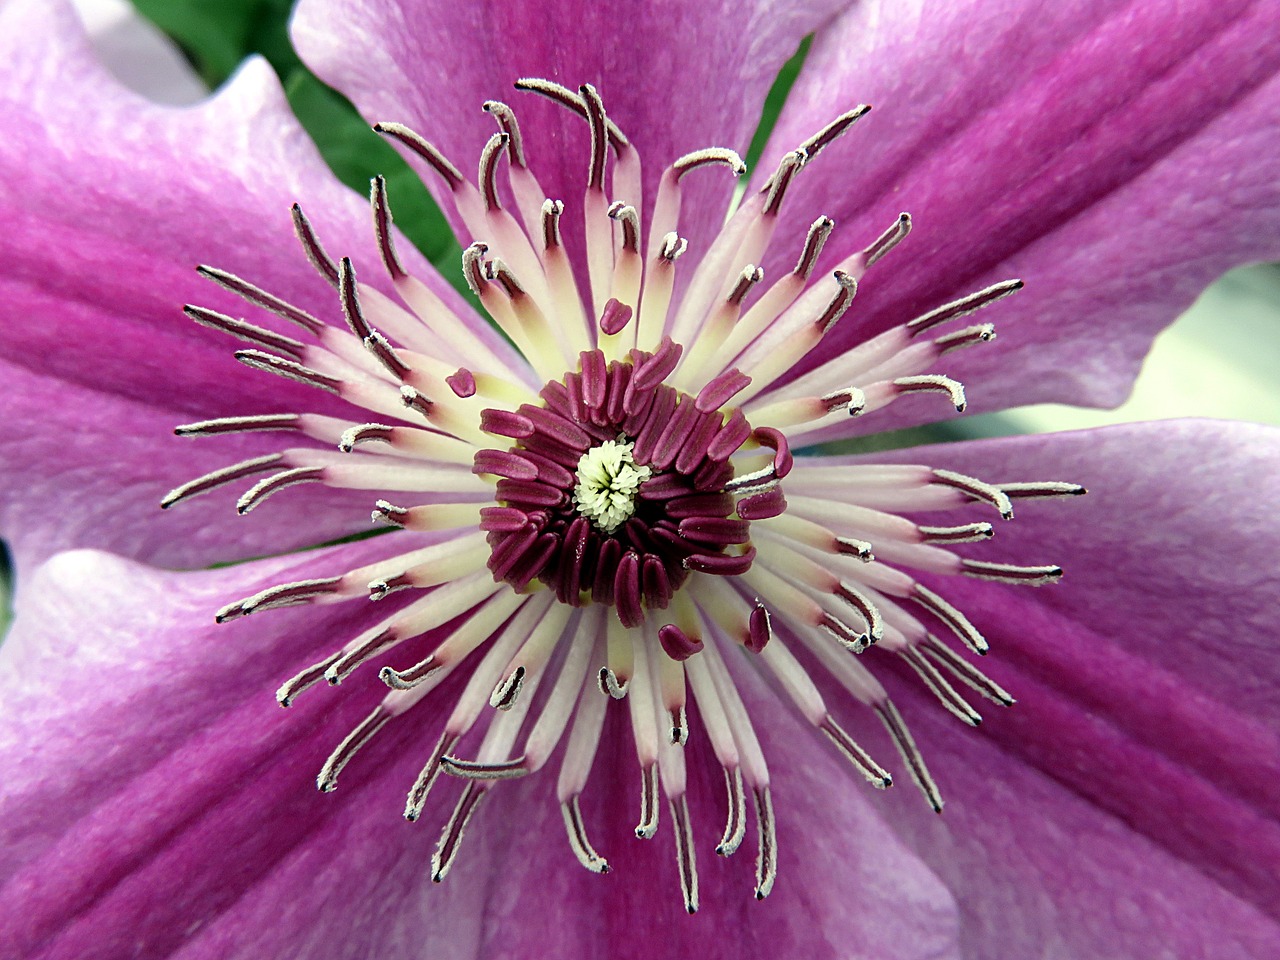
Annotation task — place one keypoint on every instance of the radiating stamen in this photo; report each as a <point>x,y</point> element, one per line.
<point>311,246</point>
<point>1011,573</point>
<point>242,330</point>
<point>938,686</point>
<point>451,839</point>
<point>910,753</point>
<point>966,672</point>
<point>382,229</point>
<point>766,831</point>
<point>451,175</point>
<point>578,839</point>
<point>686,859</point>
<point>220,477</point>
<point>260,298</point>
<point>263,423</point>
<point>964,306</point>
<point>327,780</point>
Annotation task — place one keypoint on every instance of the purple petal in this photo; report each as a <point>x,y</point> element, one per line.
<point>107,211</point>
<point>1126,805</point>
<point>1116,158</point>
<point>676,76</point>
<point>157,802</point>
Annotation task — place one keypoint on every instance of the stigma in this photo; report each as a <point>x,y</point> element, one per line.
<point>614,518</point>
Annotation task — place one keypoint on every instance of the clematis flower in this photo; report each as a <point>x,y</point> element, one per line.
<point>157,802</point>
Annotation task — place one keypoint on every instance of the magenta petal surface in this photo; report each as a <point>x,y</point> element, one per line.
<point>1117,157</point>
<point>158,803</point>
<point>1125,806</point>
<point>109,202</point>
<point>675,75</point>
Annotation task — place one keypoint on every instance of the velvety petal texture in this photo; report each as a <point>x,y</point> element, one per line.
<point>1125,807</point>
<point>675,75</point>
<point>1116,156</point>
<point>109,203</point>
<point>183,819</point>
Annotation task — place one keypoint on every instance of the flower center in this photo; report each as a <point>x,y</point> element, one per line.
<point>608,483</point>
<point>618,486</point>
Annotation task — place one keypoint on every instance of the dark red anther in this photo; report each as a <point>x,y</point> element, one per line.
<point>658,367</point>
<point>677,644</point>
<point>626,590</point>
<point>759,629</point>
<point>694,450</point>
<point>715,531</point>
<point>732,435</point>
<point>595,377</point>
<point>721,389</point>
<point>531,493</point>
<point>658,415</point>
<point>700,505</point>
<point>606,570</point>
<point>532,562</point>
<point>777,442</point>
<point>559,428</point>
<point>504,423</point>
<point>502,519</point>
<point>655,583</point>
<point>462,383</point>
<point>762,506</point>
<point>721,564</point>
<point>502,463</point>
<point>677,432</point>
<point>614,317</point>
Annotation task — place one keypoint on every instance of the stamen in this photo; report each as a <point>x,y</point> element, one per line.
<point>977,489</point>
<point>897,728</point>
<point>1011,573</point>
<point>220,477</point>
<point>283,595</point>
<point>507,121</point>
<point>963,307</point>
<point>648,824</point>
<point>952,617</point>
<point>288,369</point>
<point>938,686</point>
<point>259,297</point>
<point>311,246</point>
<point>243,330</point>
<point>1041,490</point>
<point>735,828</point>
<point>686,859</point>
<point>876,775</point>
<point>308,678</point>
<point>417,798</point>
<point>965,533</point>
<point>427,151</point>
<point>766,831</point>
<point>567,98</point>
<point>264,423</point>
<point>707,156</point>
<point>887,240</point>
<point>382,232</point>
<point>966,672</point>
<point>451,838</point>
<point>488,174</point>
<point>578,839</point>
<point>327,781</point>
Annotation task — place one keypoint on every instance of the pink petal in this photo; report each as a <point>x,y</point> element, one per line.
<point>1117,158</point>
<point>158,802</point>
<point>1126,805</point>
<point>107,211</point>
<point>676,76</point>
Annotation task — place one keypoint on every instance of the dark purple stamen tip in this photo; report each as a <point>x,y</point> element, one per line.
<point>614,317</point>
<point>678,645</point>
<point>462,383</point>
